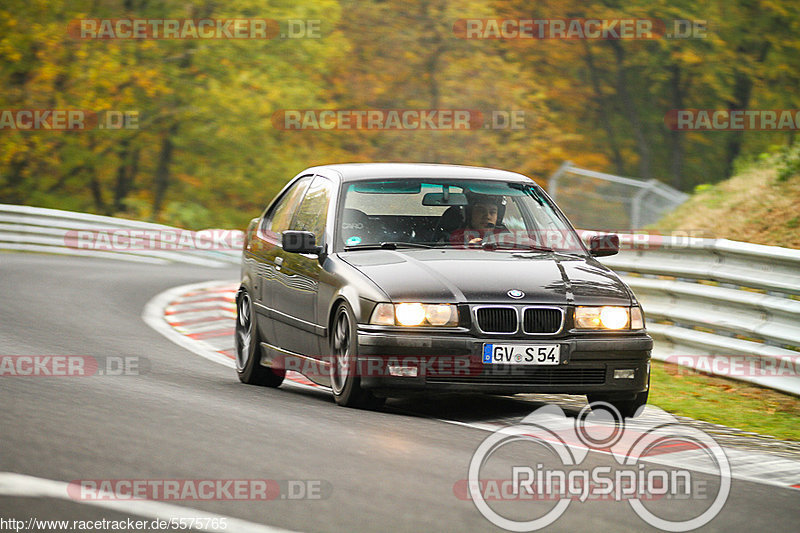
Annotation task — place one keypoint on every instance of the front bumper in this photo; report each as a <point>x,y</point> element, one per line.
<point>453,363</point>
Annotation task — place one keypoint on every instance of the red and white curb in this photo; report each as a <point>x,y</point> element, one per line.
<point>201,318</point>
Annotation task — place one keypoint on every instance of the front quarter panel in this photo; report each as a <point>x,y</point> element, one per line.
<point>351,285</point>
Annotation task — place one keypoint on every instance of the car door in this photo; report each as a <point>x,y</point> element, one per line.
<point>295,297</point>
<point>265,250</point>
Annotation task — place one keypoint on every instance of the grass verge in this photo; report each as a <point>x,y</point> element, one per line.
<point>736,404</point>
<point>754,206</point>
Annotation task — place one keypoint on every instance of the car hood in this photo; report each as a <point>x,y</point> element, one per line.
<point>479,276</point>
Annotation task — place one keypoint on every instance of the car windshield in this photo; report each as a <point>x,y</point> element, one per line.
<point>421,213</point>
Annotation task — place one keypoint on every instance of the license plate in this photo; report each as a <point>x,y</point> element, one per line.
<point>522,354</point>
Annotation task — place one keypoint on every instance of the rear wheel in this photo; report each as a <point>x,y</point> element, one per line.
<point>248,347</point>
<point>345,381</point>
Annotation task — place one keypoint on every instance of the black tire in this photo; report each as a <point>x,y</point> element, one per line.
<point>345,382</point>
<point>627,408</point>
<point>248,351</point>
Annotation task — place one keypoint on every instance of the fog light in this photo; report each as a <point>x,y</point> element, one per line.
<point>624,373</point>
<point>403,371</point>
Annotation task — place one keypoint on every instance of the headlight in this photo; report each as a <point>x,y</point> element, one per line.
<point>608,317</point>
<point>409,314</point>
<point>414,314</point>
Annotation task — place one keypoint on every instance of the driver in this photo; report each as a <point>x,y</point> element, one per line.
<point>483,217</point>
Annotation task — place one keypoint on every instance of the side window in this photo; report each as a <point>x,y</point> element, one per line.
<point>313,211</point>
<point>279,217</point>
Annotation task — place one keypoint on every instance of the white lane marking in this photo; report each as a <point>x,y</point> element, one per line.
<point>741,462</point>
<point>22,486</point>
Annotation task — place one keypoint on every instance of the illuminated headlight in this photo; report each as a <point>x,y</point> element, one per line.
<point>606,317</point>
<point>414,314</point>
<point>409,314</point>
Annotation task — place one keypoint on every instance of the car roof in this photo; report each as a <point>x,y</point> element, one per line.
<point>364,171</point>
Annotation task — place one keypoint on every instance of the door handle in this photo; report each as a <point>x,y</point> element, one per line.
<point>278,262</point>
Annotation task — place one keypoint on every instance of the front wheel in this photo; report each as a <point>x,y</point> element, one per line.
<point>248,347</point>
<point>345,381</point>
<point>627,408</point>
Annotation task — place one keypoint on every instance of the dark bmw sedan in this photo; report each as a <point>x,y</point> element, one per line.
<point>385,279</point>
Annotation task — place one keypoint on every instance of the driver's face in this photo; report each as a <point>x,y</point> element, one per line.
<point>483,216</point>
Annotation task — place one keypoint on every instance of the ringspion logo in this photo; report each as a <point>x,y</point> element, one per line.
<point>561,475</point>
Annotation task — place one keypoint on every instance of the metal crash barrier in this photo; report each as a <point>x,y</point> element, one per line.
<point>736,302</point>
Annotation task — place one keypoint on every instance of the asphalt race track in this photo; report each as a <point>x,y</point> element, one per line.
<point>185,417</point>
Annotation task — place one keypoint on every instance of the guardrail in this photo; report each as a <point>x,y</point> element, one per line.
<point>37,229</point>
<point>701,297</point>
<point>719,306</point>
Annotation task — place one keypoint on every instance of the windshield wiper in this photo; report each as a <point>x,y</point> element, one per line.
<point>491,246</point>
<point>574,255</point>
<point>516,246</point>
<point>388,245</point>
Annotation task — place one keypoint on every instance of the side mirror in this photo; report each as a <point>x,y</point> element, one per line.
<point>300,242</point>
<point>604,245</point>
